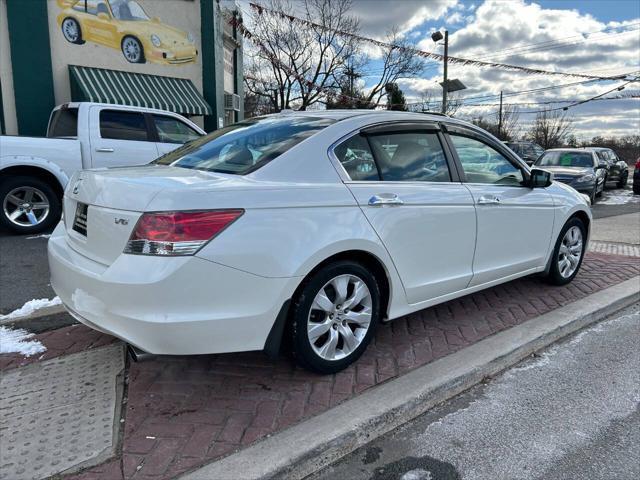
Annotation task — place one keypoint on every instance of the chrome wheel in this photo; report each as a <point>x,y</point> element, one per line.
<point>570,252</point>
<point>339,317</point>
<point>132,50</point>
<point>71,30</point>
<point>26,206</point>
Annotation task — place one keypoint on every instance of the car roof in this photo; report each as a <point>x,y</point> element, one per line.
<point>340,114</point>
<point>596,149</point>
<point>567,149</point>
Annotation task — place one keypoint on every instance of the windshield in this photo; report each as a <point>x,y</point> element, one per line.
<point>246,146</point>
<point>566,159</point>
<point>128,10</point>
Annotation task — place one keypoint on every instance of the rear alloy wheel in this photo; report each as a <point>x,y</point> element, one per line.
<point>29,205</point>
<point>335,316</point>
<point>568,252</point>
<point>71,31</point>
<point>132,50</point>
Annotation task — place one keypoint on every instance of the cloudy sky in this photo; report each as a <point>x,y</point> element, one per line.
<point>596,37</point>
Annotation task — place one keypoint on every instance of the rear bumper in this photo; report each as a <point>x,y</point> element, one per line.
<point>168,306</point>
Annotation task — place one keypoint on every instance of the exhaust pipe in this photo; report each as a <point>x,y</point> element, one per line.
<point>139,355</point>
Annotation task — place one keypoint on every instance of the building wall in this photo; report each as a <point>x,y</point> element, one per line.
<point>183,15</point>
<point>9,120</point>
<point>37,65</point>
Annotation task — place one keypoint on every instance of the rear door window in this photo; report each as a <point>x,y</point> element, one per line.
<point>356,158</point>
<point>64,123</point>
<point>410,157</point>
<point>122,125</point>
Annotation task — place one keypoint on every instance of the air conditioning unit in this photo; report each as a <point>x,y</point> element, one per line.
<point>232,101</point>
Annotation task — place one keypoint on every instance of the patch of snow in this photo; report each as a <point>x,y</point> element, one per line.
<point>417,474</point>
<point>30,307</point>
<point>619,197</point>
<point>44,235</point>
<point>17,341</point>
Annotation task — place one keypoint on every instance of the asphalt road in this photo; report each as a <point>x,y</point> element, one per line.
<point>24,273</point>
<point>571,413</point>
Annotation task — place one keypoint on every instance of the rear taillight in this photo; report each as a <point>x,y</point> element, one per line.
<point>638,164</point>
<point>178,233</point>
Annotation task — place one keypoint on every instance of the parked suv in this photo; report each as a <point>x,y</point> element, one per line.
<point>582,169</point>
<point>617,169</point>
<point>528,151</point>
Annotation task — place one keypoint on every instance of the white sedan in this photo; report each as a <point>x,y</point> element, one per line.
<point>312,225</point>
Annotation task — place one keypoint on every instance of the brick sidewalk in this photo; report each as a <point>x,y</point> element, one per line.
<point>183,412</point>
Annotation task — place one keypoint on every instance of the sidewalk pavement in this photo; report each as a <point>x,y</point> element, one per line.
<point>184,412</point>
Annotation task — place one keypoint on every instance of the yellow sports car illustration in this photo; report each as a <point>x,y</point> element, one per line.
<point>124,25</point>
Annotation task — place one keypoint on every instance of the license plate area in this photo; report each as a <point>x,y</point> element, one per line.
<point>80,219</point>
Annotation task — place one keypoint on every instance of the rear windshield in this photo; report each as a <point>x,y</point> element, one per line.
<point>566,159</point>
<point>246,146</point>
<point>64,123</point>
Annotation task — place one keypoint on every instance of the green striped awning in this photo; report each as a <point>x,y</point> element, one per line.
<point>99,85</point>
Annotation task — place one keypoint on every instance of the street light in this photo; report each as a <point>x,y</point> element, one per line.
<point>436,37</point>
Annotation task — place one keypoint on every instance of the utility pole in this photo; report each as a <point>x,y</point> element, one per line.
<point>446,58</point>
<point>500,118</point>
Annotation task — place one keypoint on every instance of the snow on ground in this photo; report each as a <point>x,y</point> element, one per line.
<point>30,307</point>
<point>44,235</point>
<point>17,341</point>
<point>618,197</point>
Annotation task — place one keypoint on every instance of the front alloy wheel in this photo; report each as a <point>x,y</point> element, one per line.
<point>335,316</point>
<point>568,253</point>
<point>28,204</point>
<point>132,50</point>
<point>71,31</point>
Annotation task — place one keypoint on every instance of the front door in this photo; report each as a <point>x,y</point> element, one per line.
<point>515,222</point>
<point>120,138</point>
<point>402,182</point>
<point>99,25</point>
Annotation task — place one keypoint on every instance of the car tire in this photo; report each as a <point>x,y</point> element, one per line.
<point>623,180</point>
<point>132,49</point>
<point>18,188</point>
<point>599,193</point>
<point>71,31</point>
<point>565,249</point>
<point>327,335</point>
<point>636,188</point>
<point>593,194</point>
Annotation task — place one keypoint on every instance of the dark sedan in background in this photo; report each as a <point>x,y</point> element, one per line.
<point>528,151</point>
<point>617,169</point>
<point>582,169</point>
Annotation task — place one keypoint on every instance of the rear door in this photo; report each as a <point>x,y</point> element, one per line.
<point>514,221</point>
<point>120,138</point>
<point>400,177</point>
<point>171,132</point>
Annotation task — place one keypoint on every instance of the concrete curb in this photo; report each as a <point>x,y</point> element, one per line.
<point>319,441</point>
<point>42,320</point>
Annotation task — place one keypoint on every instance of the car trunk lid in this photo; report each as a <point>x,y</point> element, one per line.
<point>101,207</point>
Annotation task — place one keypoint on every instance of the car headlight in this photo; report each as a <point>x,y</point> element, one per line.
<point>156,40</point>
<point>190,37</point>
<point>585,178</point>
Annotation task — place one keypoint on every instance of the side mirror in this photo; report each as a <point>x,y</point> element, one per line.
<point>156,20</point>
<point>540,178</point>
<point>603,165</point>
<point>104,16</point>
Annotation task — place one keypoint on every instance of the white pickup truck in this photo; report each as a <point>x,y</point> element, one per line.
<point>34,171</point>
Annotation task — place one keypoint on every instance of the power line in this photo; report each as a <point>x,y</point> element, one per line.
<point>424,54</point>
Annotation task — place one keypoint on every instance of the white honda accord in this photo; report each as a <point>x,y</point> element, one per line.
<point>315,226</point>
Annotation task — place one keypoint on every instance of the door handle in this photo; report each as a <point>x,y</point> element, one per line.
<point>105,150</point>
<point>385,199</point>
<point>488,200</point>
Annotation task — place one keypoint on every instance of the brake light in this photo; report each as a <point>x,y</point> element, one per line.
<point>638,164</point>
<point>178,233</point>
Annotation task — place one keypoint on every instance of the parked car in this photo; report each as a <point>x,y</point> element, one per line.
<point>617,170</point>
<point>582,169</point>
<point>35,171</point>
<point>303,224</point>
<point>528,151</point>
<point>124,25</point>
<point>636,178</point>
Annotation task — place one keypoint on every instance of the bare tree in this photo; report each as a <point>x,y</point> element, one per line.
<point>551,128</point>
<point>302,62</point>
<point>397,63</point>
